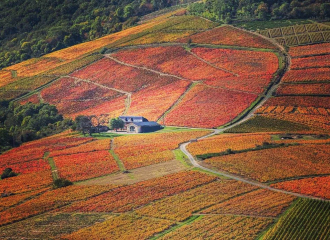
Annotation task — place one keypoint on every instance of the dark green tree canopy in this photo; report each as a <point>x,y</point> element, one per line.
<point>30,28</point>
<point>22,123</point>
<point>228,10</point>
<point>83,124</point>
<point>116,123</point>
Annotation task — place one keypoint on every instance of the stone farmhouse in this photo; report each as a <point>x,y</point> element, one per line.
<point>138,124</point>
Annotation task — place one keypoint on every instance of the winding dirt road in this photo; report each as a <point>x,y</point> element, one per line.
<point>268,94</point>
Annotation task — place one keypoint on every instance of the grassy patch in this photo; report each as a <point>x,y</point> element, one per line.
<point>119,162</point>
<point>177,129</point>
<point>260,25</point>
<point>104,135</point>
<point>209,173</point>
<point>179,155</point>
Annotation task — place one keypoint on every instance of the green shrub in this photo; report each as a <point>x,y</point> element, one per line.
<point>61,182</point>
<point>7,173</point>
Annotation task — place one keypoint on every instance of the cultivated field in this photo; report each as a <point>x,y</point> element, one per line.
<point>263,174</point>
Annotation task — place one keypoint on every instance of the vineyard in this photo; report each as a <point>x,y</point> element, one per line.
<point>306,219</point>
<point>116,74</point>
<point>209,104</point>
<point>221,227</point>
<point>255,203</point>
<point>231,36</point>
<point>138,150</point>
<point>316,186</point>
<point>299,34</point>
<point>256,177</point>
<point>276,163</point>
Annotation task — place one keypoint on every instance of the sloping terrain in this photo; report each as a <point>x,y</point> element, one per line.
<point>261,179</point>
<point>159,81</point>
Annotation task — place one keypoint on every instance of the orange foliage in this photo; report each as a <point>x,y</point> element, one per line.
<point>133,196</point>
<point>316,186</point>
<point>310,50</point>
<point>114,75</point>
<point>314,61</point>
<point>208,107</point>
<point>15,199</point>
<point>152,102</point>
<point>142,150</point>
<point>181,206</point>
<point>26,182</point>
<point>35,66</point>
<point>33,99</point>
<point>220,227</point>
<point>6,77</point>
<point>171,60</point>
<point>112,108</point>
<point>229,35</point>
<point>254,70</point>
<point>242,62</point>
<point>49,201</point>
<point>304,89</point>
<point>316,122</point>
<point>258,203</point>
<point>123,227</point>
<point>299,101</point>
<point>86,165</point>
<point>96,145</point>
<point>29,167</point>
<point>307,75</point>
<point>69,89</point>
<point>223,142</point>
<point>276,163</point>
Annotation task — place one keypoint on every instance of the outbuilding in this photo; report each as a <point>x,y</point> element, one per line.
<point>139,124</point>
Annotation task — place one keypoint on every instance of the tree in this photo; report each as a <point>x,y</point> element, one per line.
<point>83,124</point>
<point>61,182</point>
<point>7,173</point>
<point>325,10</point>
<point>189,42</point>
<point>262,11</point>
<point>128,11</point>
<point>116,123</point>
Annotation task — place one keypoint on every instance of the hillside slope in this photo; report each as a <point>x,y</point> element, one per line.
<point>145,62</point>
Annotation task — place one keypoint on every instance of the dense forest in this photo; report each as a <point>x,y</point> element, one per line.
<point>31,28</point>
<point>245,10</point>
<point>22,123</point>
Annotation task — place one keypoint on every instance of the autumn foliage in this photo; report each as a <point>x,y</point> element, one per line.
<point>208,107</point>
<point>307,50</point>
<point>138,150</point>
<point>231,36</point>
<point>316,186</point>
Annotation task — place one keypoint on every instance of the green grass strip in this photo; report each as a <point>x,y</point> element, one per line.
<point>179,155</point>
<point>178,225</point>
<point>118,161</point>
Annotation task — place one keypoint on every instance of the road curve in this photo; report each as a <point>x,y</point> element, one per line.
<point>183,148</point>
<point>193,161</point>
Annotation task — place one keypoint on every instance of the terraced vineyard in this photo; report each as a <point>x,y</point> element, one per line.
<point>299,34</point>
<point>266,177</point>
<point>306,219</point>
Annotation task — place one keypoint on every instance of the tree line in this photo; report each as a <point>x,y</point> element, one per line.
<point>23,123</point>
<point>32,28</point>
<point>239,10</point>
